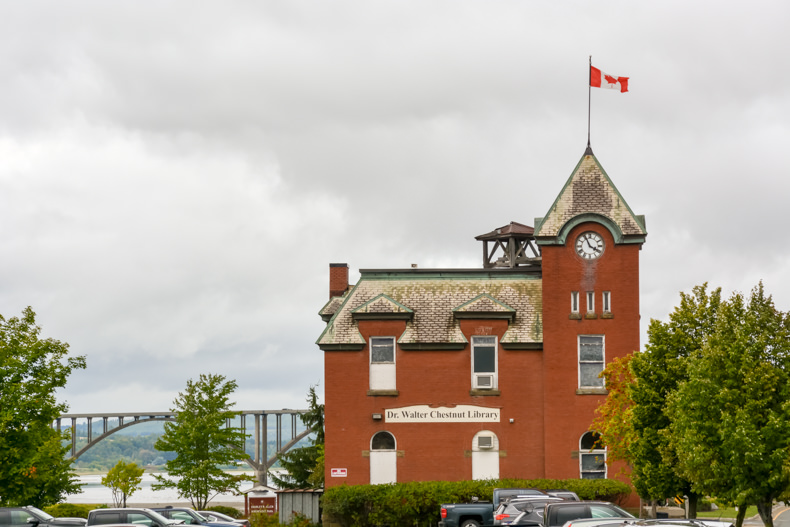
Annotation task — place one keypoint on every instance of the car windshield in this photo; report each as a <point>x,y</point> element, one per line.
<point>608,511</point>
<point>213,514</point>
<point>164,521</point>
<point>40,514</point>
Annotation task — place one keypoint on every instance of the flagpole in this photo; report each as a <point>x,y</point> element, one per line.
<point>589,98</point>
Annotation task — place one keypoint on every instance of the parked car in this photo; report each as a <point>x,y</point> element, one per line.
<point>636,522</point>
<point>559,513</point>
<point>190,517</point>
<point>28,515</point>
<point>139,517</point>
<point>509,510</point>
<point>215,516</point>
<point>479,513</point>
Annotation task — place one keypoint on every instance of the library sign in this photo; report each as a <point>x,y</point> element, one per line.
<point>442,414</point>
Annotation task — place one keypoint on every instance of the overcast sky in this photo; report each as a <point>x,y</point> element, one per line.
<point>176,176</point>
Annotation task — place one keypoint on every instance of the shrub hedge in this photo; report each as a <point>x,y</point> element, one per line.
<point>418,503</point>
<point>71,510</point>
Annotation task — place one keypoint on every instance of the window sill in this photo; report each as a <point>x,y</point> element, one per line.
<point>592,391</point>
<point>476,392</point>
<point>385,393</point>
<point>590,316</point>
<point>607,315</point>
<point>575,316</point>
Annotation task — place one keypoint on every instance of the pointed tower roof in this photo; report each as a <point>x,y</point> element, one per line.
<point>589,195</point>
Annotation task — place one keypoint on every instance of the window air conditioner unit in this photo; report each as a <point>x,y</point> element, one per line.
<point>484,382</point>
<point>485,442</point>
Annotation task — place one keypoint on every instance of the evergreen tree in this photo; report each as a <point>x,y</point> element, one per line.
<point>305,466</point>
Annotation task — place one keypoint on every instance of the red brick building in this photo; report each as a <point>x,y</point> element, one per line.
<point>453,374</point>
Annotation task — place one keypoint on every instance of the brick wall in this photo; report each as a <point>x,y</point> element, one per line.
<point>569,415</point>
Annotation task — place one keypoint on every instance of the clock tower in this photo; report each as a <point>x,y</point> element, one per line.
<point>590,242</point>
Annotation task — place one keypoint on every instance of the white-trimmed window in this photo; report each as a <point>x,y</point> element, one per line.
<point>591,361</point>
<point>484,363</point>
<point>383,458</point>
<point>574,301</point>
<point>592,457</point>
<point>382,363</point>
<point>590,301</point>
<point>607,301</point>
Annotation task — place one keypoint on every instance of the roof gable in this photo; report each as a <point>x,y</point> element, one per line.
<point>589,195</point>
<point>484,306</point>
<point>382,307</point>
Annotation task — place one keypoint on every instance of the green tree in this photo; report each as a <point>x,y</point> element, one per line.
<point>614,420</point>
<point>202,442</point>
<point>634,421</point>
<point>731,415</point>
<point>671,347</point>
<point>123,479</point>
<point>34,469</point>
<point>305,466</point>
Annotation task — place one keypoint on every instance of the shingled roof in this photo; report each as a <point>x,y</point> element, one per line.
<point>589,195</point>
<point>435,301</point>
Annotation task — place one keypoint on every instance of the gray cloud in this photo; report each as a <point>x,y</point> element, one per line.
<point>174,179</point>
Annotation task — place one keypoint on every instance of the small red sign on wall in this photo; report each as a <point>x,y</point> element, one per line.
<point>339,472</point>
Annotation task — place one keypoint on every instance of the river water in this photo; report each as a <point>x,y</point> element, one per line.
<point>94,492</point>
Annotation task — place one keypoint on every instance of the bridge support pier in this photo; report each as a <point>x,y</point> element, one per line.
<point>262,476</point>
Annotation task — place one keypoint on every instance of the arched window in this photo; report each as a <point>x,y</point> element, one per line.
<point>485,455</point>
<point>382,441</point>
<point>592,457</point>
<point>383,458</point>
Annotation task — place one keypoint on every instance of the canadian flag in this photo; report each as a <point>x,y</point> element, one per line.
<point>599,79</point>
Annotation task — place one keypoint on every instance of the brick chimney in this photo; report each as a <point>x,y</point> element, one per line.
<point>338,279</point>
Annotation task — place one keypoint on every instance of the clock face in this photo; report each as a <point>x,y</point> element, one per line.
<point>589,245</point>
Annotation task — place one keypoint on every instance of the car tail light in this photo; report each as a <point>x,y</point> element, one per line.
<point>444,513</point>
<point>502,516</point>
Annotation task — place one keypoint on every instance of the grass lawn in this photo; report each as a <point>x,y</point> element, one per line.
<point>727,513</point>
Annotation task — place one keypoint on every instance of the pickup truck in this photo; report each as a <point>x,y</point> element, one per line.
<point>479,513</point>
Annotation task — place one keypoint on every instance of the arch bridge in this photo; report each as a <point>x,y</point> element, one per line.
<point>262,422</point>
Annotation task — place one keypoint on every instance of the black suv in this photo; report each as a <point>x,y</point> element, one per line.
<point>31,516</point>
<point>190,517</point>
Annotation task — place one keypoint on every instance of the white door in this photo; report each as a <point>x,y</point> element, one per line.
<point>383,459</point>
<point>485,456</point>
<point>383,467</point>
